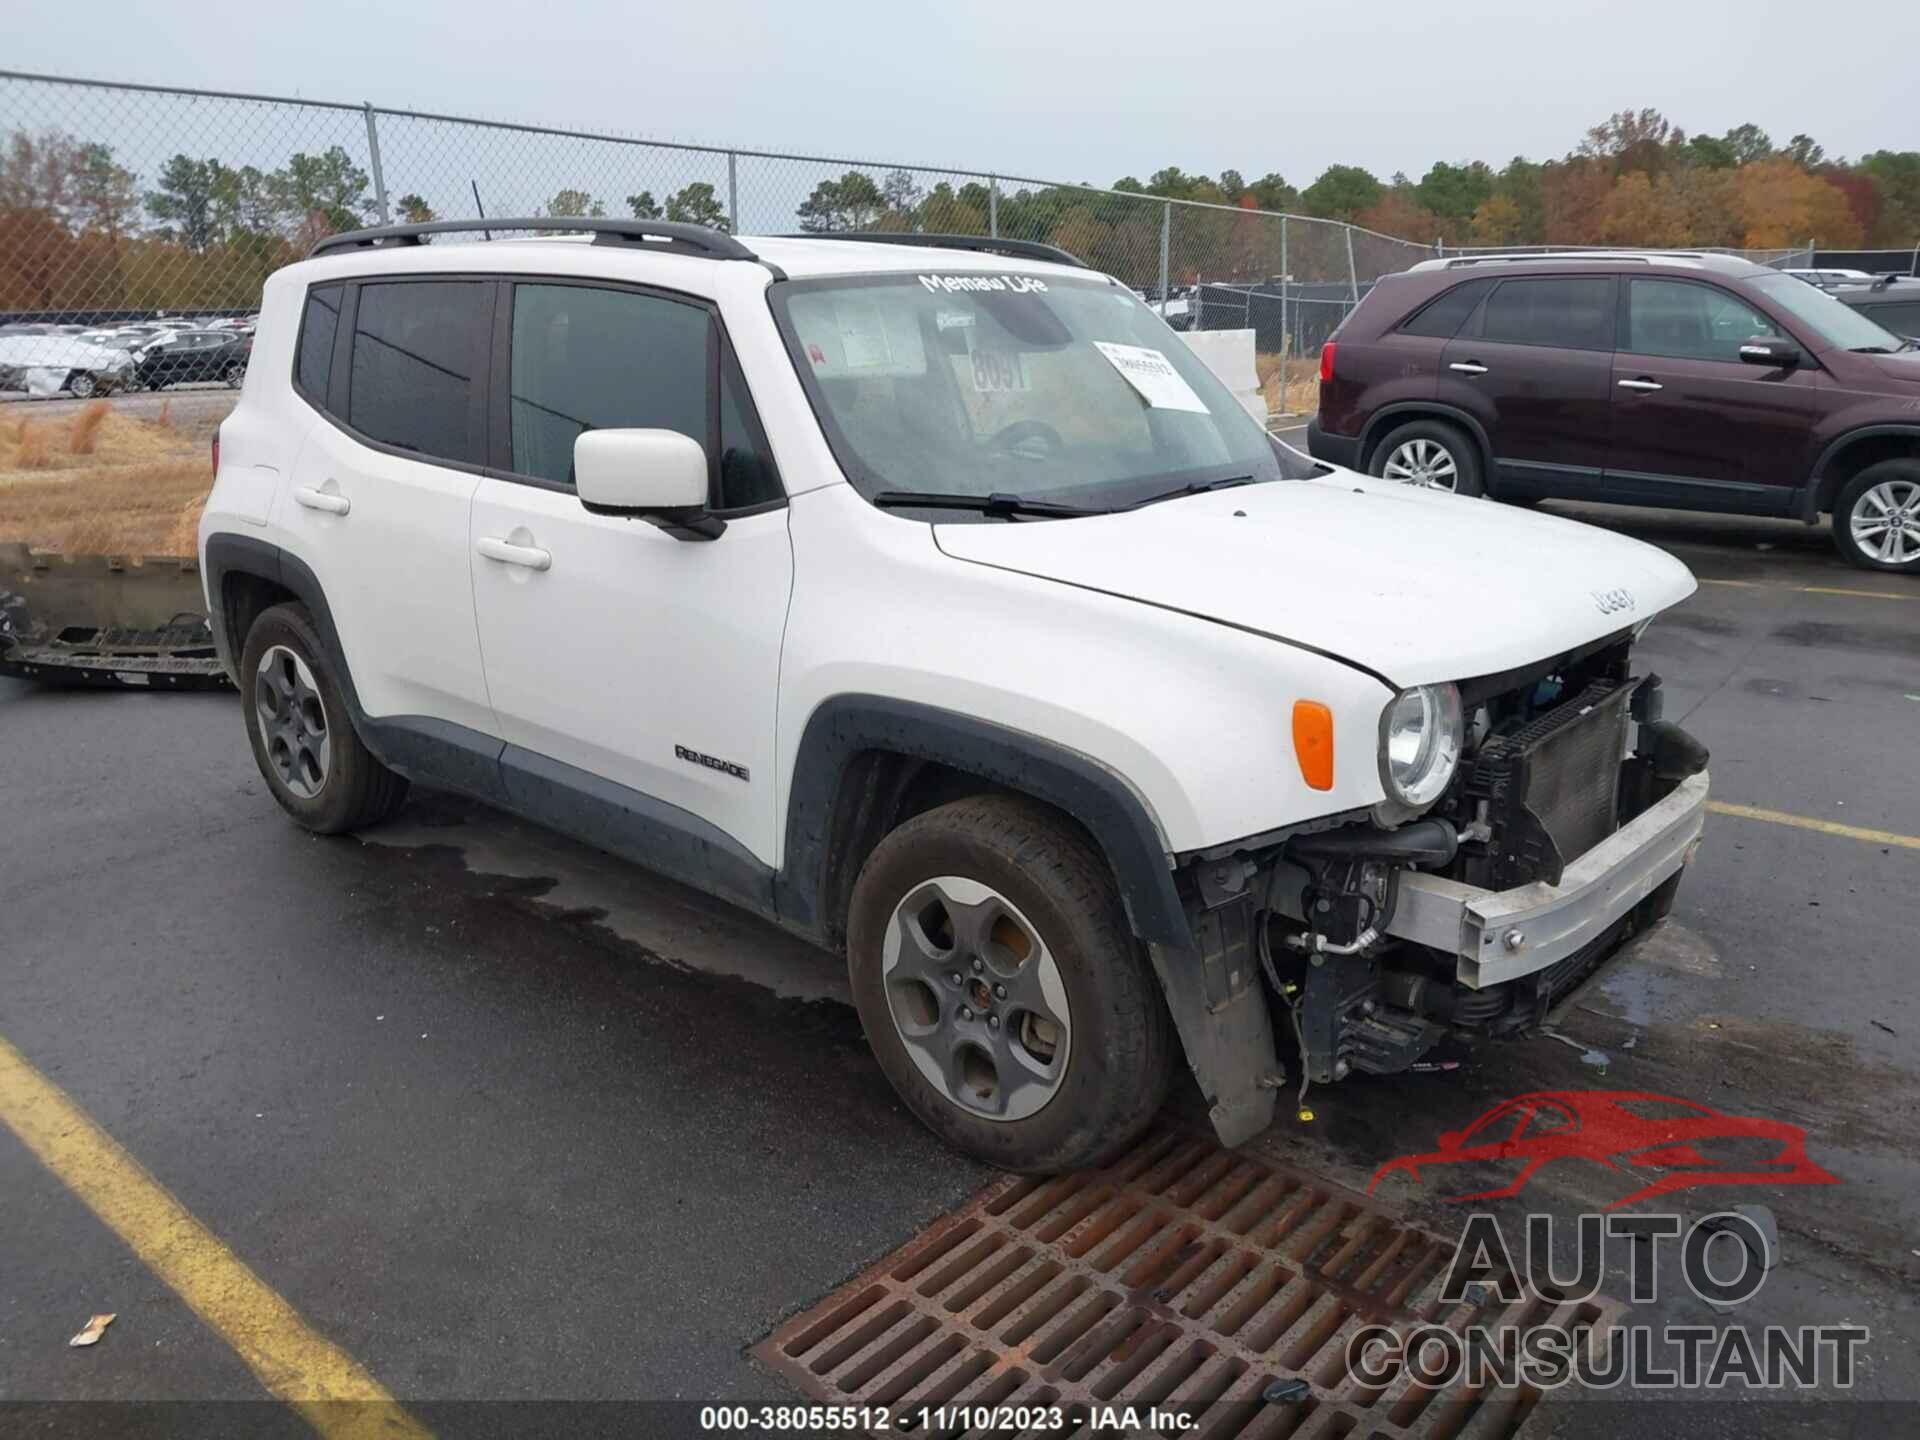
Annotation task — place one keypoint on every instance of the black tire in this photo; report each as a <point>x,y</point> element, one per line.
<point>1901,480</point>
<point>82,385</point>
<point>1469,479</point>
<point>356,790</point>
<point>234,375</point>
<point>1120,1055</point>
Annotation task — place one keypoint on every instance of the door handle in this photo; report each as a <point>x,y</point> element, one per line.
<point>507,553</point>
<point>1468,367</point>
<point>323,500</point>
<point>1640,385</point>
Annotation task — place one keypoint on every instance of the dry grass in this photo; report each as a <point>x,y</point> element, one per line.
<point>85,431</point>
<point>100,483</point>
<point>33,450</point>
<point>1291,384</point>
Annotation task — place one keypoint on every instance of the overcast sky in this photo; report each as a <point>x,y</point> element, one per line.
<point>1069,91</point>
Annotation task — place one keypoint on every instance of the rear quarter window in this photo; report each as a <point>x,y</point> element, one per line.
<point>313,358</point>
<point>1441,317</point>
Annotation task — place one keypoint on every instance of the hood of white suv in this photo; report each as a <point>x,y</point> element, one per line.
<point>1415,585</point>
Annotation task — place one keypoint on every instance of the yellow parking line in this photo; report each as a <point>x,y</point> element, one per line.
<point>1818,590</point>
<point>1807,822</point>
<point>295,1364</point>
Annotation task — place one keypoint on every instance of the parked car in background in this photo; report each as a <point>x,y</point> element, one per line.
<point>1824,277</point>
<point>47,363</point>
<point>1892,302</point>
<point>1690,381</point>
<point>183,357</point>
<point>121,337</point>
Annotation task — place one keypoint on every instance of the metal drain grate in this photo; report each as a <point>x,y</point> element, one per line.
<point>1185,1277</point>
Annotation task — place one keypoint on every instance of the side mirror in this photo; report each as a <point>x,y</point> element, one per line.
<point>659,474</point>
<point>1770,351</point>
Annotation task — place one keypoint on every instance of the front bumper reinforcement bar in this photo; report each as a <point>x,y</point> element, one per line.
<point>1499,935</point>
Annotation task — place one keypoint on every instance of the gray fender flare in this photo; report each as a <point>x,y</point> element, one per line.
<point>1203,958</point>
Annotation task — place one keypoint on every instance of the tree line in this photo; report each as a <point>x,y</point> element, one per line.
<point>1634,179</point>
<point>81,231</point>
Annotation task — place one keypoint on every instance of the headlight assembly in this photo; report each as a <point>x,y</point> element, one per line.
<point>1421,733</point>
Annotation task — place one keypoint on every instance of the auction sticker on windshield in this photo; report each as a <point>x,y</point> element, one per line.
<point>999,370</point>
<point>1152,374</point>
<point>863,335</point>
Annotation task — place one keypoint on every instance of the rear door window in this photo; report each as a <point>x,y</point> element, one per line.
<point>418,346</point>
<point>1569,313</point>
<point>1687,321</point>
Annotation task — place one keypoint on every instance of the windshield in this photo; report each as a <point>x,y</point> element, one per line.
<point>1066,391</point>
<point>1838,325</point>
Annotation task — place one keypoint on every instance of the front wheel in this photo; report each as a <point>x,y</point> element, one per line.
<point>234,375</point>
<point>1001,990</point>
<point>82,385</point>
<point>1432,454</point>
<point>1876,519</point>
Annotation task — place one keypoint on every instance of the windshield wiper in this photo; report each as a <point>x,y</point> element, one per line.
<point>1000,504</point>
<point>1872,350</point>
<point>1198,487</point>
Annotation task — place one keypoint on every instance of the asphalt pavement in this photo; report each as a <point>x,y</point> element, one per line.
<point>501,1118</point>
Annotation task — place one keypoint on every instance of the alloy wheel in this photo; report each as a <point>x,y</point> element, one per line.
<point>1886,522</point>
<point>293,721</point>
<point>1422,462</point>
<point>977,999</point>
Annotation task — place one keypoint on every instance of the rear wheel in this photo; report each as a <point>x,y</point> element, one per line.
<point>1432,454</point>
<point>234,374</point>
<point>303,739</point>
<point>1001,990</point>
<point>1876,519</point>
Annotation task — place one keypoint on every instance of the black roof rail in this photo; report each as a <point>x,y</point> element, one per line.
<point>986,244</point>
<point>673,235</point>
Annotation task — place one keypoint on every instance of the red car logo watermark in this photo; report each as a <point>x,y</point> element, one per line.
<point>1626,1130</point>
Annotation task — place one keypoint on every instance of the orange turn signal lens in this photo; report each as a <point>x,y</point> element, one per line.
<point>1313,743</point>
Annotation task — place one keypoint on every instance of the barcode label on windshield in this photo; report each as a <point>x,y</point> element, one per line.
<point>1153,376</point>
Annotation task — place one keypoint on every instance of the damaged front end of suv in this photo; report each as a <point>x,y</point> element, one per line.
<point>1535,820</point>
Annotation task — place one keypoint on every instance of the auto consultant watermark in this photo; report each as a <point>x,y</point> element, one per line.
<point>1722,1259</point>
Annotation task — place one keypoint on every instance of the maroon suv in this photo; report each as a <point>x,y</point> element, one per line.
<point>1696,382</point>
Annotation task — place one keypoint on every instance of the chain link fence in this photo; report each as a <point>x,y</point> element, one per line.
<point>121,205</point>
<point>138,222</point>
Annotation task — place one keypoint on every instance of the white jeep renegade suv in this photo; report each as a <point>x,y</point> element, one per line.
<point>934,602</point>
